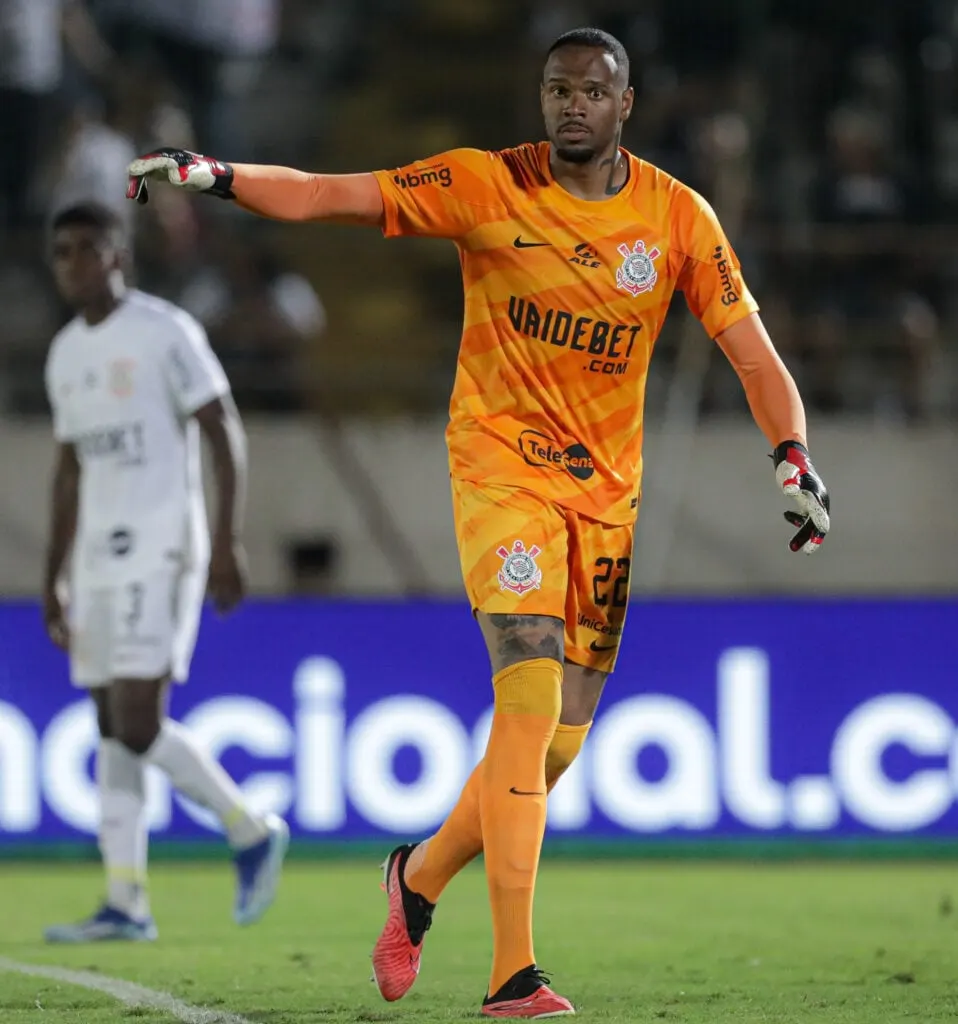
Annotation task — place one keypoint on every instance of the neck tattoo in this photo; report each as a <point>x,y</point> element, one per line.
<point>611,189</point>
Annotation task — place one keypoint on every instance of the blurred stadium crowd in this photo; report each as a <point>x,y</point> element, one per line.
<point>825,133</point>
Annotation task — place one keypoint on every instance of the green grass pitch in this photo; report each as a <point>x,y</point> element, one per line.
<point>695,943</point>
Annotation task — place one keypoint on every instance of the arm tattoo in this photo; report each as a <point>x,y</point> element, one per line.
<point>515,638</point>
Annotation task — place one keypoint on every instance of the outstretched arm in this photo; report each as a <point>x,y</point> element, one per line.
<point>285,194</point>
<point>446,196</point>
<point>771,392</point>
<point>277,192</point>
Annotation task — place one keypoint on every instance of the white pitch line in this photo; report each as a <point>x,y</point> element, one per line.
<point>125,992</point>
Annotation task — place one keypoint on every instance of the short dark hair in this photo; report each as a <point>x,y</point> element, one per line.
<point>88,214</point>
<point>599,40</point>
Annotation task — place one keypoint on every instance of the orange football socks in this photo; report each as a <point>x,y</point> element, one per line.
<point>436,861</point>
<point>512,804</point>
<point>563,750</point>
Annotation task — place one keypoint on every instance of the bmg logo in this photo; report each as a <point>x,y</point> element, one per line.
<point>436,174</point>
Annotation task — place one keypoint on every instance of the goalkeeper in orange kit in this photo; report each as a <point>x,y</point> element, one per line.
<point>571,250</point>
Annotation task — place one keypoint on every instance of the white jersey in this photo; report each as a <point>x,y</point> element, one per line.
<point>123,392</point>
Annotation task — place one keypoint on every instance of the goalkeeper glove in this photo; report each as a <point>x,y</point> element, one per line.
<point>799,479</point>
<point>182,169</point>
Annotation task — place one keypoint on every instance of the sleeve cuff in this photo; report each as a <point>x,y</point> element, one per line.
<point>390,227</point>
<point>204,398</point>
<point>744,308</point>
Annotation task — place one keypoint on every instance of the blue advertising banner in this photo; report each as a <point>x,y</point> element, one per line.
<point>362,720</point>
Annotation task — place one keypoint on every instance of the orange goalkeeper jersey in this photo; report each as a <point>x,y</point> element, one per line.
<point>564,299</point>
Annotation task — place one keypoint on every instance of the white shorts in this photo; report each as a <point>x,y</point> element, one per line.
<point>144,629</point>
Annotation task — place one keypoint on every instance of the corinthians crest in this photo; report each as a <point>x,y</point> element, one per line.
<point>519,571</point>
<point>637,273</point>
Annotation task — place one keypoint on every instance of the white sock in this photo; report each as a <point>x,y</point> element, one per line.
<point>196,775</point>
<point>124,836</point>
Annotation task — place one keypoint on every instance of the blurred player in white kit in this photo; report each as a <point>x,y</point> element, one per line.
<point>132,381</point>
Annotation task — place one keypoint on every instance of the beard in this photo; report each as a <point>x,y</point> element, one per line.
<point>575,154</point>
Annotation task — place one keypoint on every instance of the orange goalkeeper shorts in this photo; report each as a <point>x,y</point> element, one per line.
<point>524,555</point>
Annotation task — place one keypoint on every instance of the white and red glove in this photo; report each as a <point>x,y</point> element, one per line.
<point>799,480</point>
<point>182,169</point>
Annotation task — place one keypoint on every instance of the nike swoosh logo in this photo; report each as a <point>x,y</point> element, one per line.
<point>597,648</point>
<point>524,792</point>
<point>519,244</point>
